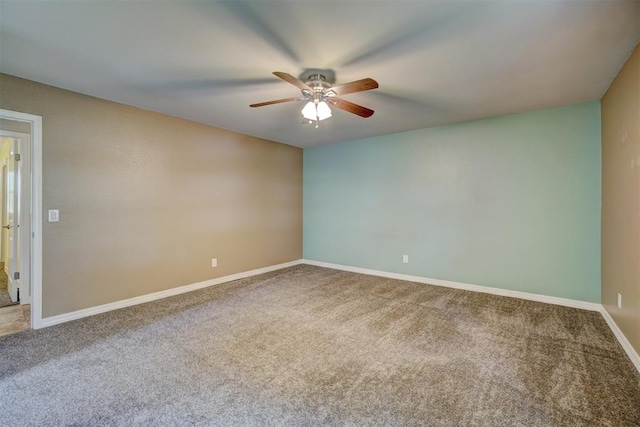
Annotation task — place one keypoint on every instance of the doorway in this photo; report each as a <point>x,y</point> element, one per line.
<point>21,176</point>
<point>10,219</point>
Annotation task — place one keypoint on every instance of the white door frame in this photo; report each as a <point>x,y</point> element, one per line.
<point>21,178</point>
<point>33,214</point>
<point>3,250</point>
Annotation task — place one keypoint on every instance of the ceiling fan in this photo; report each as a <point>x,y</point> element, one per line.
<point>319,93</point>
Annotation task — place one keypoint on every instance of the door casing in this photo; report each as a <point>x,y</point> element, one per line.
<point>31,212</point>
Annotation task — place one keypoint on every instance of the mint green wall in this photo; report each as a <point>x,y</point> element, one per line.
<point>510,202</point>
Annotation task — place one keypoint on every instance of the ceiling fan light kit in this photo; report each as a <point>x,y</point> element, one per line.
<point>316,111</point>
<point>319,94</point>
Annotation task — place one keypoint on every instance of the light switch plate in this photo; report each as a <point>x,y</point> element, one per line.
<point>54,215</point>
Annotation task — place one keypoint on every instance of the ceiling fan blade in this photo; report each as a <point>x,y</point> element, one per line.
<point>292,80</point>
<point>277,101</point>
<point>356,86</point>
<point>351,107</point>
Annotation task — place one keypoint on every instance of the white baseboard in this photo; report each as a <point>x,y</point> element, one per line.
<point>592,306</point>
<point>624,342</point>
<point>66,317</point>
<point>633,355</point>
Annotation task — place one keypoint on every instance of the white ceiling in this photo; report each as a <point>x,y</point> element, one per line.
<point>437,62</point>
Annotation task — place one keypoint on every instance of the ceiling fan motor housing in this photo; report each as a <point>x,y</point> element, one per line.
<point>318,83</point>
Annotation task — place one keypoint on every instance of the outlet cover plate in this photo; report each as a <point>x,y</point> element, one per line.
<point>620,301</point>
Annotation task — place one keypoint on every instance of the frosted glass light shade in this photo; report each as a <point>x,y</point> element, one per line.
<point>324,112</point>
<point>309,111</point>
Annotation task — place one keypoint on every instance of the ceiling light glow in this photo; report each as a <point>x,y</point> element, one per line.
<point>324,112</point>
<point>316,112</point>
<point>310,112</point>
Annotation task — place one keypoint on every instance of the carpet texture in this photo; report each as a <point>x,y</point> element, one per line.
<point>314,346</point>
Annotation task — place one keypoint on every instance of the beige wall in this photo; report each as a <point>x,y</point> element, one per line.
<point>621,199</point>
<point>147,200</point>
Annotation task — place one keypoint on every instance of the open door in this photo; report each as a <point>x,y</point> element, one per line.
<point>25,223</point>
<point>12,190</point>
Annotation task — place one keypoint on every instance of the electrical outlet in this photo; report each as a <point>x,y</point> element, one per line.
<point>214,262</point>
<point>619,301</point>
<point>405,259</point>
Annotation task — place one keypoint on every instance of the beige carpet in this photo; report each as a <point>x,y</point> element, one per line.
<point>313,346</point>
<point>14,318</point>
